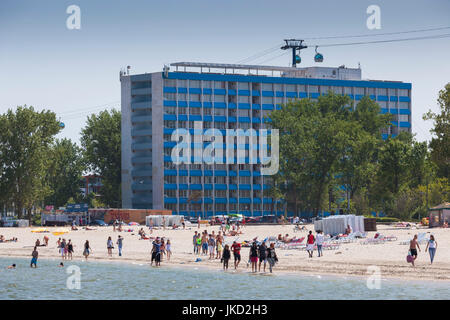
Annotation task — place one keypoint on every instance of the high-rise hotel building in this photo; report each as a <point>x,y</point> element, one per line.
<point>222,96</point>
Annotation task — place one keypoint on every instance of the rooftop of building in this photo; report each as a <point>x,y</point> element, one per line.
<point>314,72</point>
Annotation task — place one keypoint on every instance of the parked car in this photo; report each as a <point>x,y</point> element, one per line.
<point>99,223</point>
<point>269,219</point>
<point>252,220</point>
<point>192,219</point>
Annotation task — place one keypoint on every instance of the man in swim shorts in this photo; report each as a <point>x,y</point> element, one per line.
<point>236,248</point>
<point>34,258</point>
<point>412,248</point>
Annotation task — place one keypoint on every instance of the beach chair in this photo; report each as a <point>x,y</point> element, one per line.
<point>295,244</point>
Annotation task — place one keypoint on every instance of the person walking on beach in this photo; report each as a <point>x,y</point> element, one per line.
<point>69,249</point>
<point>310,244</point>
<point>163,248</point>
<point>319,243</point>
<point>211,246</point>
<point>226,257</point>
<point>87,249</point>
<point>114,225</point>
<point>271,256</point>
<point>412,248</point>
<point>168,249</point>
<point>262,252</point>
<point>109,246</point>
<point>62,249</point>
<point>34,257</point>
<point>431,247</point>
<point>204,243</point>
<point>236,248</point>
<point>194,242</point>
<point>254,256</point>
<point>219,245</point>
<point>119,245</point>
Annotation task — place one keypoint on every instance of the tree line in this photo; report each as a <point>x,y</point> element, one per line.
<point>37,168</point>
<point>333,157</point>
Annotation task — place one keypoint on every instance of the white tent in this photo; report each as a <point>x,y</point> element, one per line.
<point>157,221</point>
<point>337,224</point>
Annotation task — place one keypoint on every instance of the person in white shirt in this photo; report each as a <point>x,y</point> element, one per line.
<point>319,242</point>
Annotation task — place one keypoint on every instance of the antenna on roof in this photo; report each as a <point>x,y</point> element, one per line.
<point>295,45</point>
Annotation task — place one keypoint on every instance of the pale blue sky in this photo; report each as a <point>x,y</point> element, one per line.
<point>72,71</point>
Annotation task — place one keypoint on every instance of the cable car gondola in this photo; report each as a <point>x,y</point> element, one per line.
<point>318,57</point>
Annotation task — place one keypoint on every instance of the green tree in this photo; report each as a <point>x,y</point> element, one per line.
<point>64,173</point>
<point>101,142</point>
<point>440,143</point>
<point>25,139</point>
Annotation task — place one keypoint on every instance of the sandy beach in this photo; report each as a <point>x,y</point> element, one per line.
<point>350,259</point>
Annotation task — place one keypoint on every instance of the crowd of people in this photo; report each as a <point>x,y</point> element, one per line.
<point>212,245</point>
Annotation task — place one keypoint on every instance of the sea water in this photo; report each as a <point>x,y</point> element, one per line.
<point>101,280</point>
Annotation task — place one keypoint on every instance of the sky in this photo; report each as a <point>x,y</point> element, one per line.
<point>76,72</point>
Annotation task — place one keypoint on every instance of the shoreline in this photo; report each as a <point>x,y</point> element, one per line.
<point>350,260</point>
<point>283,271</point>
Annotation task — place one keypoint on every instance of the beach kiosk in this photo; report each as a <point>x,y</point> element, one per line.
<point>439,215</point>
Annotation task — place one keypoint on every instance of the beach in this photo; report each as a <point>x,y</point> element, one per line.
<point>351,259</point>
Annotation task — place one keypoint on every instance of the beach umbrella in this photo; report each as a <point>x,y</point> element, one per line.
<point>133,224</point>
<point>39,230</point>
<point>60,231</point>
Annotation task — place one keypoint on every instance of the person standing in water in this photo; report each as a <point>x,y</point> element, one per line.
<point>34,258</point>
<point>226,257</point>
<point>431,247</point>
<point>262,252</point>
<point>156,252</point>
<point>412,248</point>
<point>119,245</point>
<point>271,256</point>
<point>254,256</point>
<point>236,248</point>
<point>69,249</point>
<point>211,246</point>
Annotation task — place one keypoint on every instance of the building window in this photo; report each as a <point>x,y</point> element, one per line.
<point>182,97</point>
<point>267,100</point>
<point>169,82</point>
<point>207,84</point>
<point>194,83</point>
<point>313,89</point>
<point>170,193</point>
<point>381,92</point>
<point>403,105</point>
<point>403,118</point>
<point>170,110</point>
<point>243,86</point>
<point>170,179</point>
<point>219,84</point>
<point>170,96</point>
<point>169,124</point>
<point>182,83</point>
<point>194,97</point>
<point>267,87</point>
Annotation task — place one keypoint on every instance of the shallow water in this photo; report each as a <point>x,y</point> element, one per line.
<point>126,281</point>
